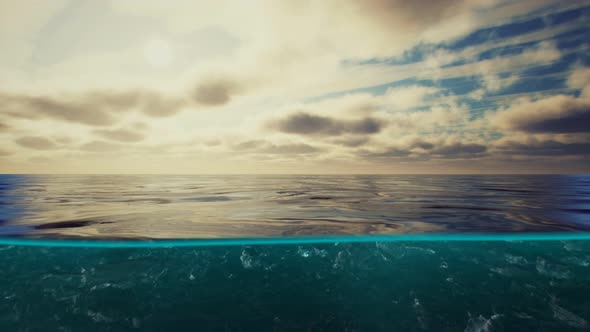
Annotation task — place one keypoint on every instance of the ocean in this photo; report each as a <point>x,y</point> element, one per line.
<point>238,206</point>
<point>295,253</point>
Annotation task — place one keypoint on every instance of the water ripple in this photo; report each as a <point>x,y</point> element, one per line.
<point>150,206</point>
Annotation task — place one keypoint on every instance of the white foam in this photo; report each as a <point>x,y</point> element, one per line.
<point>567,316</point>
<point>481,324</point>
<point>517,260</point>
<point>552,270</point>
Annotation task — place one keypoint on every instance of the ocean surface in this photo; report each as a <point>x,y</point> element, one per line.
<point>295,253</point>
<point>244,206</point>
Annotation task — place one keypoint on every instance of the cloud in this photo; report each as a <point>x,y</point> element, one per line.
<point>580,78</point>
<point>33,107</point>
<point>212,142</point>
<point>414,15</point>
<point>403,109</point>
<point>390,152</point>
<point>295,148</point>
<point>156,105</point>
<point>555,114</point>
<point>264,147</point>
<point>496,73</point>
<point>215,92</point>
<point>365,28</point>
<point>352,141</point>
<point>406,97</point>
<point>302,123</point>
<point>5,153</point>
<point>140,125</point>
<point>99,146</point>
<point>354,79</point>
<point>95,108</point>
<point>248,145</point>
<point>121,135</point>
<point>36,142</point>
<point>459,150</point>
<point>434,118</point>
<point>532,146</point>
<point>413,148</point>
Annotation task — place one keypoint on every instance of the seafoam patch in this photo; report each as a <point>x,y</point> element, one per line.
<point>552,270</point>
<point>420,312</point>
<point>480,323</point>
<point>516,260</point>
<point>566,316</point>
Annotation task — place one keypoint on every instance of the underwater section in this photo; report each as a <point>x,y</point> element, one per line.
<point>338,286</point>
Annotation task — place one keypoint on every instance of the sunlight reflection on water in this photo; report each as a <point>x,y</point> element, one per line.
<point>145,206</point>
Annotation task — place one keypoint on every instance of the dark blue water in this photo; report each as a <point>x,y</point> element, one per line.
<point>139,207</point>
<point>294,253</point>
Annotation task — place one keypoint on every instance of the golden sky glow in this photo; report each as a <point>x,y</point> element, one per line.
<point>453,86</point>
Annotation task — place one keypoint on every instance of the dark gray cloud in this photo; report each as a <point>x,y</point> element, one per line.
<point>543,148</point>
<point>121,135</point>
<point>149,102</point>
<point>36,142</point>
<point>392,152</point>
<point>413,15</point>
<point>99,146</point>
<point>573,122</point>
<point>34,107</point>
<point>309,124</point>
<point>459,150</point>
<point>555,114</point>
<point>97,108</point>
<point>423,145</point>
<point>422,149</point>
<point>214,92</point>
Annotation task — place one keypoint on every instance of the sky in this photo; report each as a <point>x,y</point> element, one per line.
<point>294,87</point>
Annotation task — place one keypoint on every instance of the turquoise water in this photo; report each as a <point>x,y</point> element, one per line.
<point>99,243</point>
<point>294,253</point>
<point>368,286</point>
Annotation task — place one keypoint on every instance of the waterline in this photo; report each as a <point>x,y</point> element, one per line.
<point>292,240</point>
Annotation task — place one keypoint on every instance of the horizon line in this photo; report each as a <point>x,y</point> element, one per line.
<point>297,174</point>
